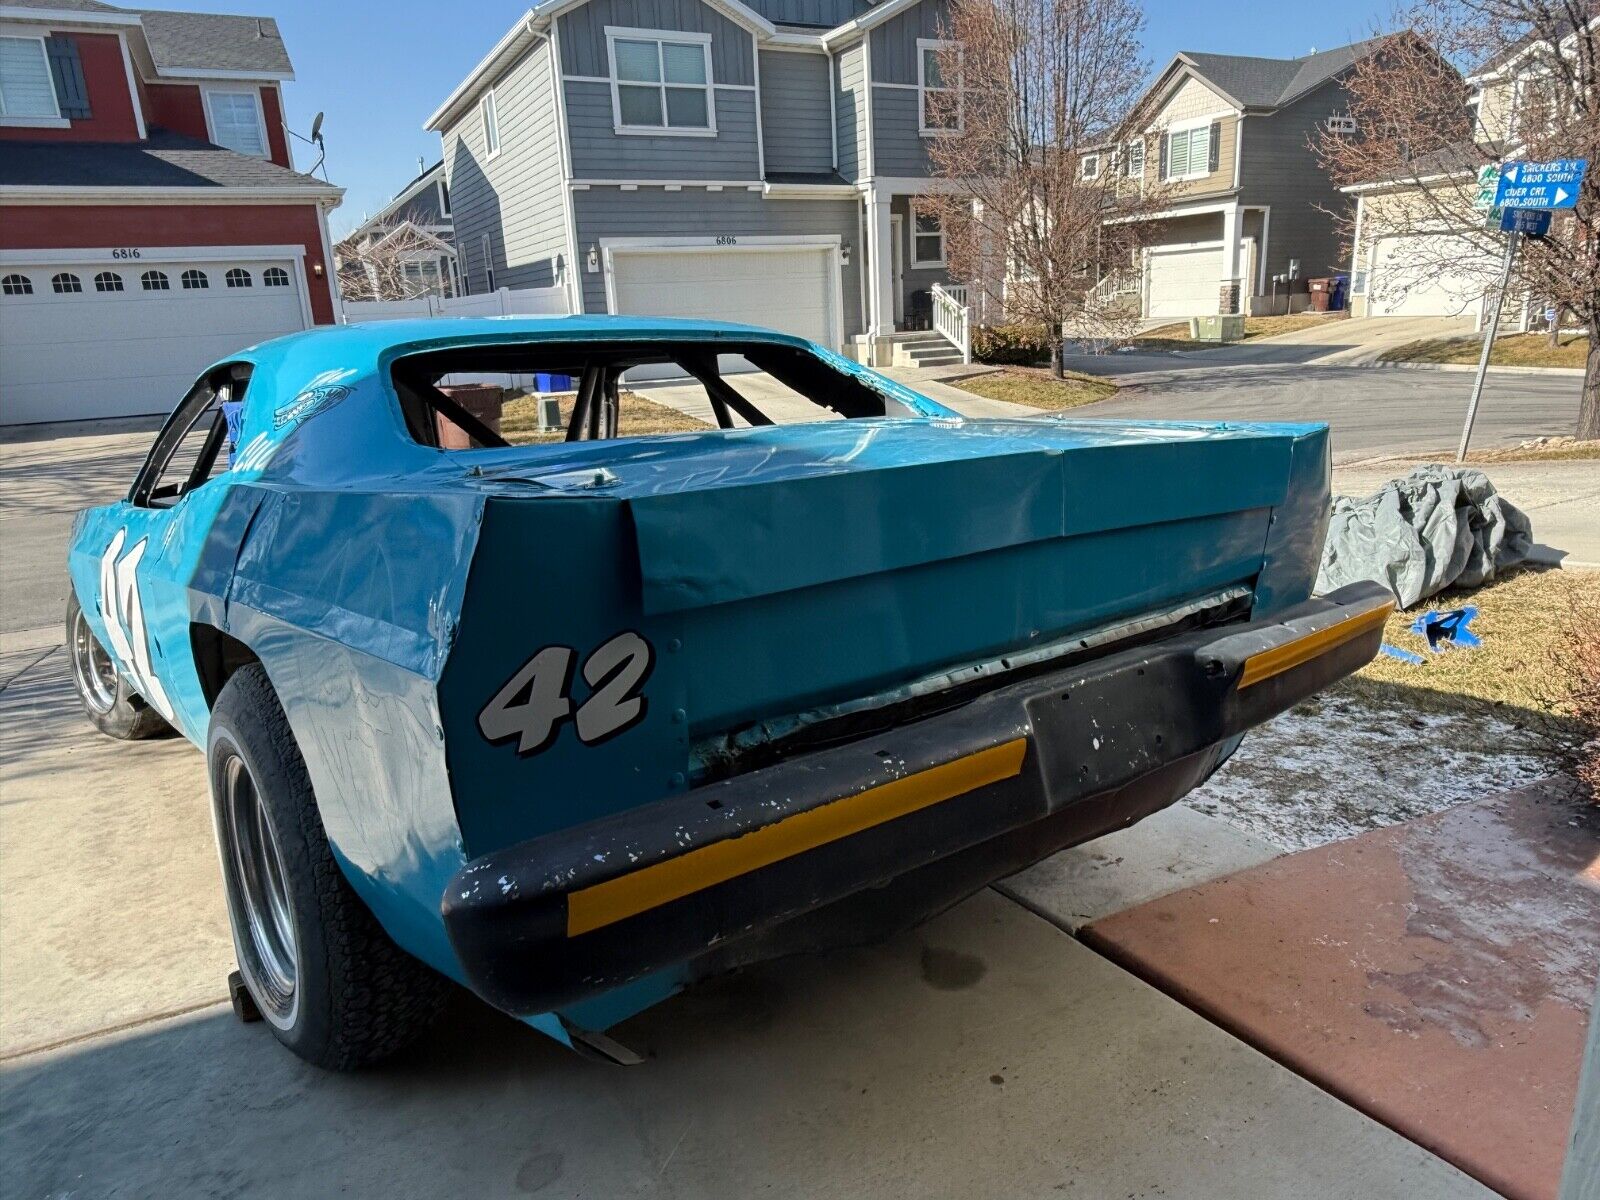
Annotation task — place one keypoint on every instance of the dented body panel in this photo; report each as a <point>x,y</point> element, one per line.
<point>490,649</point>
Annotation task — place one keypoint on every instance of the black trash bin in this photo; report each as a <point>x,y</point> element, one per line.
<point>919,310</point>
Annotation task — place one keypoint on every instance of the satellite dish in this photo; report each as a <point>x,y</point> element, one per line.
<point>316,127</point>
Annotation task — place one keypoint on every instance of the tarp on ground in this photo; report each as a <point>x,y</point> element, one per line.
<point>1436,527</point>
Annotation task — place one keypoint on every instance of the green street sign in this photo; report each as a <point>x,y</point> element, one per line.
<point>1488,182</point>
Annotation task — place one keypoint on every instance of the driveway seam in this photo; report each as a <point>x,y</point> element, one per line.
<point>121,1027</point>
<point>20,672</point>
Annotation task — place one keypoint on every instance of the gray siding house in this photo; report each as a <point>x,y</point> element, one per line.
<point>419,214</point>
<point>753,161</point>
<point>1231,138</point>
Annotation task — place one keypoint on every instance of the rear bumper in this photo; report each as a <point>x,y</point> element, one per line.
<point>1007,778</point>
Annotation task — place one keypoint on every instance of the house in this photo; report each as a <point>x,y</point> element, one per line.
<point>757,161</point>
<point>1229,140</point>
<point>1424,244</point>
<point>150,220</point>
<point>416,226</point>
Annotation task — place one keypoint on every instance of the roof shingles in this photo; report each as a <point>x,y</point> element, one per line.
<point>1274,82</point>
<point>193,41</point>
<point>165,160</point>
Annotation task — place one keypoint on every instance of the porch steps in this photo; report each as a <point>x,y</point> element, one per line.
<point>924,350</point>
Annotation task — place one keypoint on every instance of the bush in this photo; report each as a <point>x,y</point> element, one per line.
<point>1012,345</point>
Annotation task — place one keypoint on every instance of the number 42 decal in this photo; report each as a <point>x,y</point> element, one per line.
<point>534,702</point>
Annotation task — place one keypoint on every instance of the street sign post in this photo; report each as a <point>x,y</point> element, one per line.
<point>1535,222</point>
<point>1552,184</point>
<point>1488,180</point>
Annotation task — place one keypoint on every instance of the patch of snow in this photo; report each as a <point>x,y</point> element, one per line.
<point>1334,767</point>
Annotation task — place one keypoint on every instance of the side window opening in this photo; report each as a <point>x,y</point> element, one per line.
<point>196,443</point>
<point>500,395</point>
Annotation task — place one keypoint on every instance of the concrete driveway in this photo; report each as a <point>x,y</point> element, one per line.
<point>988,1053</point>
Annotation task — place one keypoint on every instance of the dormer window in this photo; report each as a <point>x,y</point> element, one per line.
<point>27,91</point>
<point>661,82</point>
<point>233,117</point>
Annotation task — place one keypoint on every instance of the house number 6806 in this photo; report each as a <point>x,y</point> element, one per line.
<point>537,700</point>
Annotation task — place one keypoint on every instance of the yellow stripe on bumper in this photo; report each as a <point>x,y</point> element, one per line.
<point>639,891</point>
<point>1303,649</point>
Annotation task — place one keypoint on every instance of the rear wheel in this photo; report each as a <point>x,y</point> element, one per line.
<point>328,981</point>
<point>115,708</point>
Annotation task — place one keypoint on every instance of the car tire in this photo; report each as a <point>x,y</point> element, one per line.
<point>327,979</point>
<point>109,702</point>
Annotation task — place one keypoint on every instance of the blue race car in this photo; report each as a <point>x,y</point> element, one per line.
<point>576,723</point>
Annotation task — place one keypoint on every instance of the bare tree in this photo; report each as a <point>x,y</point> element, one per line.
<point>1044,192</point>
<point>377,270</point>
<point>1536,65</point>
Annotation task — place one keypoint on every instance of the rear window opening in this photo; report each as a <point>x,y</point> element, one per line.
<point>480,396</point>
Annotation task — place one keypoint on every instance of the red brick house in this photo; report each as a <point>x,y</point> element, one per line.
<point>150,221</point>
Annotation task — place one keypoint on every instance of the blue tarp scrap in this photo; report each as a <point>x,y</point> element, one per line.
<point>1444,629</point>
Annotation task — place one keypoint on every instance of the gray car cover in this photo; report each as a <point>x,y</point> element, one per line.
<point>1418,535</point>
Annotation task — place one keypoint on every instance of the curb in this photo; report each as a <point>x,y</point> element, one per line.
<point>1462,368</point>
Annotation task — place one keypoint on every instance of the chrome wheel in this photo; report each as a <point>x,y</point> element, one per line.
<point>263,916</point>
<point>92,668</point>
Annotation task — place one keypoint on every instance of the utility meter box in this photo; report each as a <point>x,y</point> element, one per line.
<point>1224,327</point>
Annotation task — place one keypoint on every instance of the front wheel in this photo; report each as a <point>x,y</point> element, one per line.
<point>327,979</point>
<point>115,708</point>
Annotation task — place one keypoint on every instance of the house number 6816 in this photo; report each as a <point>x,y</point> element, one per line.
<point>537,700</point>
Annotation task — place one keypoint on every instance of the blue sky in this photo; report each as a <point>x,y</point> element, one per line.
<point>379,70</point>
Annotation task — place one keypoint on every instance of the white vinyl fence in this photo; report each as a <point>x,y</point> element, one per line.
<point>507,302</point>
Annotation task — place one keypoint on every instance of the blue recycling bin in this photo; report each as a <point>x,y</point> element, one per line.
<point>545,382</point>
<point>1341,293</point>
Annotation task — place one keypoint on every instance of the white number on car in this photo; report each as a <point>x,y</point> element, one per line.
<point>123,614</point>
<point>534,702</point>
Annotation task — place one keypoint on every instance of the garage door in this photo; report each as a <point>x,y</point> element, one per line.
<point>790,289</point>
<point>1185,283</point>
<point>85,340</point>
<point>1426,275</point>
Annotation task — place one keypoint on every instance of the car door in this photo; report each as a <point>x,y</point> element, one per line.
<point>153,543</point>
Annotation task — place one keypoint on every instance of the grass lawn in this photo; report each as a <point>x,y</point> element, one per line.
<point>1037,388</point>
<point>1513,350</point>
<point>1519,618</point>
<point>519,421</point>
<point>1176,336</point>
<point>1561,449</point>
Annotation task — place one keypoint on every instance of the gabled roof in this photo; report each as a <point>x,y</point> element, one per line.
<point>1566,29</point>
<point>1268,83</point>
<point>201,41</point>
<point>165,161</point>
<point>186,43</point>
<point>411,189</point>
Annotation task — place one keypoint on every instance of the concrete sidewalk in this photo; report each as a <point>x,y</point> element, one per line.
<point>987,1053</point>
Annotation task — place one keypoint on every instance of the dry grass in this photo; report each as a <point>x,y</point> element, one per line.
<point>637,417</point>
<point>1038,389</point>
<point>1514,350</point>
<point>1521,619</point>
<point>1176,336</point>
<point>1557,449</point>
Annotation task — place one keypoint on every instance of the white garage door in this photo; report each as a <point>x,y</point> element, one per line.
<point>1426,275</point>
<point>790,289</point>
<point>1186,283</point>
<point>85,340</point>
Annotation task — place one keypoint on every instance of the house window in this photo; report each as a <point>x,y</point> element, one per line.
<point>444,198</point>
<point>274,277</point>
<point>16,285</point>
<point>194,280</point>
<point>26,87</point>
<point>927,241</point>
<point>939,100</point>
<point>108,281</point>
<point>1188,152</point>
<point>486,247</point>
<point>1135,159</point>
<point>491,126</point>
<point>235,119</point>
<point>238,277</point>
<point>155,281</point>
<point>660,83</point>
<point>1090,167</point>
<point>66,282</point>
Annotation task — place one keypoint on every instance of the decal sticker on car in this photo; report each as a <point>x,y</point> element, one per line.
<point>536,701</point>
<point>123,614</point>
<point>312,400</point>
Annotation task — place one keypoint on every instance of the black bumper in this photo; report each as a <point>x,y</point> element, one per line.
<point>953,801</point>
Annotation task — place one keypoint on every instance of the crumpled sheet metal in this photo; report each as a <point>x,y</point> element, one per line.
<point>1418,535</point>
